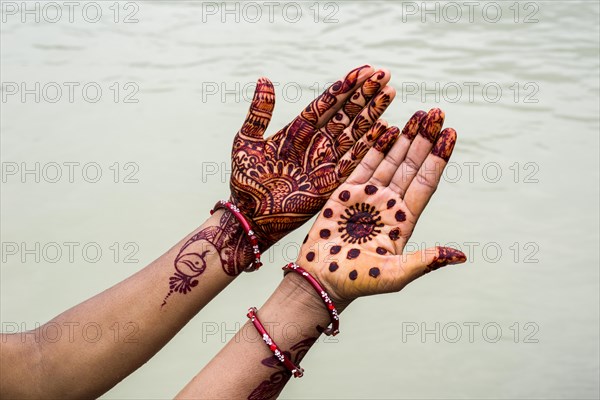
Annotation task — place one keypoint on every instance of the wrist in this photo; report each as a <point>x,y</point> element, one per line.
<point>235,250</point>
<point>295,294</point>
<point>293,317</point>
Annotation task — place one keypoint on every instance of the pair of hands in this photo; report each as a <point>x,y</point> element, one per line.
<point>370,181</point>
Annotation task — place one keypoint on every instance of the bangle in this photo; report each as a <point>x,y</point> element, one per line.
<point>256,264</point>
<point>333,314</point>
<point>295,370</point>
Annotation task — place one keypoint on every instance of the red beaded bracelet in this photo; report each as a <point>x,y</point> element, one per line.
<point>333,314</point>
<point>256,264</point>
<point>295,370</point>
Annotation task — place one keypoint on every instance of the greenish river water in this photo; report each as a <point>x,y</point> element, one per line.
<point>118,144</point>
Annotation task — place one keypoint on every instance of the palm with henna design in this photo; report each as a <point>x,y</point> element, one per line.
<point>282,181</point>
<point>355,248</point>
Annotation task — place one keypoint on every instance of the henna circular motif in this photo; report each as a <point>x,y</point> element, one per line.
<point>327,213</point>
<point>391,203</point>
<point>360,223</point>
<point>381,251</point>
<point>335,249</point>
<point>325,233</point>
<point>395,234</point>
<point>333,267</point>
<point>345,195</point>
<point>310,256</point>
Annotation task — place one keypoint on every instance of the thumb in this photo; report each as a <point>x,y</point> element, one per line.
<point>422,262</point>
<point>261,109</point>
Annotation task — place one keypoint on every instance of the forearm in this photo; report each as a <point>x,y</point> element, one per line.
<point>129,322</point>
<point>245,367</point>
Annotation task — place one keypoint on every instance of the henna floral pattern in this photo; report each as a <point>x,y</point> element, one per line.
<point>280,182</point>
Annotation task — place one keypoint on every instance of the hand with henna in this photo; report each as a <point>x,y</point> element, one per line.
<point>356,246</point>
<point>280,182</point>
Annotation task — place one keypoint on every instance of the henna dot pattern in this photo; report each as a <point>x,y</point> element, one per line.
<point>360,223</point>
<point>325,233</point>
<point>391,203</point>
<point>345,195</point>
<point>310,256</point>
<point>400,216</point>
<point>395,234</point>
<point>374,272</point>
<point>370,189</point>
<point>327,213</point>
<point>353,253</point>
<point>381,251</point>
<point>353,274</point>
<point>335,249</point>
<point>333,266</point>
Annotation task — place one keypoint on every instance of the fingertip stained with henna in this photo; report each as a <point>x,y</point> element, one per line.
<point>445,144</point>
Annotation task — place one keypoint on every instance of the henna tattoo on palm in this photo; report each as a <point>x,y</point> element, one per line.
<point>355,248</point>
<point>352,249</point>
<point>360,223</point>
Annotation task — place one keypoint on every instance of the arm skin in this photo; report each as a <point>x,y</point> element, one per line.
<point>87,368</point>
<point>194,271</point>
<point>245,367</point>
<point>355,248</point>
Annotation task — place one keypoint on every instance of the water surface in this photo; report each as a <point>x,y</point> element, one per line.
<point>532,230</point>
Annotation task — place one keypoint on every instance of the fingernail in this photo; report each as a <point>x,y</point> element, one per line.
<point>264,85</point>
<point>412,126</point>
<point>432,124</point>
<point>387,140</point>
<point>445,144</point>
<point>446,256</point>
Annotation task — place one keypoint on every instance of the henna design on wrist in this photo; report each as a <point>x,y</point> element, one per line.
<point>227,241</point>
<point>270,388</point>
